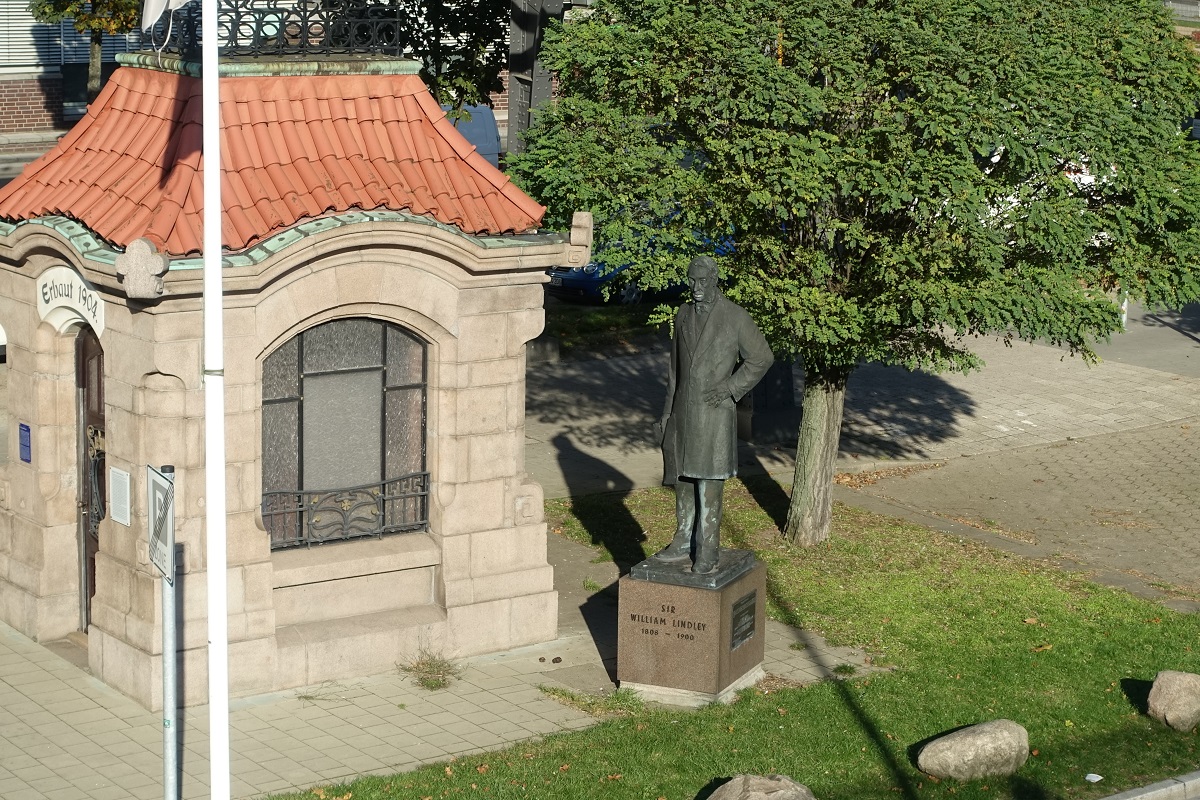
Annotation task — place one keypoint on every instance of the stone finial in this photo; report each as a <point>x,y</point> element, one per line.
<point>762,787</point>
<point>995,748</point>
<point>140,269</point>
<point>1175,699</point>
<point>580,244</point>
<point>581,228</point>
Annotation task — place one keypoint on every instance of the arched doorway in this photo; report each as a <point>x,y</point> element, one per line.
<point>89,385</point>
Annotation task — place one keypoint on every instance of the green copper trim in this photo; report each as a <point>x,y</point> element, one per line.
<point>93,248</point>
<point>246,67</point>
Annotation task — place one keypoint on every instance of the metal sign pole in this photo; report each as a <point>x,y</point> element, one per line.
<point>160,506</point>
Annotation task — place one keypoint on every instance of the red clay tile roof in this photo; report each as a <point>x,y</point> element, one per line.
<point>292,148</point>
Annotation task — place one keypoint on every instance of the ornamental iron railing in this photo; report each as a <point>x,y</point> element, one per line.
<point>312,517</point>
<point>290,28</point>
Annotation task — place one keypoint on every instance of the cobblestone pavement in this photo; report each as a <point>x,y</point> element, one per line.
<point>1127,502</point>
<point>66,736</point>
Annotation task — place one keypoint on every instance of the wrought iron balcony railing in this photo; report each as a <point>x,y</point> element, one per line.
<point>307,518</point>
<point>291,28</point>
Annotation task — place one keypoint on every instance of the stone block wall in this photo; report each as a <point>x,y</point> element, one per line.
<point>487,552</point>
<point>39,577</point>
<point>155,415</point>
<point>476,581</point>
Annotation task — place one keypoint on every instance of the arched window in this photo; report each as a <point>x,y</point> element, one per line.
<point>343,434</point>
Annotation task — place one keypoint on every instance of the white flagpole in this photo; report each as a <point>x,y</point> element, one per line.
<point>214,397</point>
<point>214,419</point>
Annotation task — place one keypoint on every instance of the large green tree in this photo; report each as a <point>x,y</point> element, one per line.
<point>94,17</point>
<point>899,175</point>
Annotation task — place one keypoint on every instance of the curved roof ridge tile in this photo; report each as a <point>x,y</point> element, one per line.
<point>293,148</point>
<point>460,185</point>
<point>495,204</point>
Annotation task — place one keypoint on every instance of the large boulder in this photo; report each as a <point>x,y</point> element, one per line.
<point>762,787</point>
<point>1175,699</point>
<point>995,748</point>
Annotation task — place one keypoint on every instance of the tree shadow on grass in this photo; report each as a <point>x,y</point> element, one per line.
<point>901,777</point>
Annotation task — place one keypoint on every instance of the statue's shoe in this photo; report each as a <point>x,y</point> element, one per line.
<point>673,553</point>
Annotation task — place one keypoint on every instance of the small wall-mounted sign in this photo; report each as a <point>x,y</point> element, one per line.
<point>118,495</point>
<point>26,444</point>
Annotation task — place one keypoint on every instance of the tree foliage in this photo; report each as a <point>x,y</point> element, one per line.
<point>899,175</point>
<point>113,17</point>
<point>461,44</point>
<point>94,17</point>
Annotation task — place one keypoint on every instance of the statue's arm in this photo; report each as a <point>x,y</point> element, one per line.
<point>756,358</point>
<point>754,354</point>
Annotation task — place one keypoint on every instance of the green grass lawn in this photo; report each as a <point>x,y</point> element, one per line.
<point>967,634</point>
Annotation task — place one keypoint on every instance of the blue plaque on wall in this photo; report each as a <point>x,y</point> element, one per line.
<point>26,447</point>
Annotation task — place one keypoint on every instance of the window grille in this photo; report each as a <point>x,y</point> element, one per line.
<point>343,433</point>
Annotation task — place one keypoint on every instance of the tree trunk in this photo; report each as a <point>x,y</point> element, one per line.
<point>811,509</point>
<point>95,54</point>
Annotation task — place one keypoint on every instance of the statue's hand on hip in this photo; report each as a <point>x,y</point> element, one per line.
<point>714,397</point>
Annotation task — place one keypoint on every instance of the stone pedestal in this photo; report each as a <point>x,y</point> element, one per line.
<point>688,639</point>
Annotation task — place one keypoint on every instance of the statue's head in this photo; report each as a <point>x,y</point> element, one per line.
<point>703,275</point>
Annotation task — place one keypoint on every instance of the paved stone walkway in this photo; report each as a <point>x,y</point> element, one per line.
<point>66,736</point>
<point>1097,466</point>
<point>1125,503</point>
<point>588,423</point>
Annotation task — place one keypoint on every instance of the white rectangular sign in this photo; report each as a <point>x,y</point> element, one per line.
<point>118,495</point>
<point>160,505</point>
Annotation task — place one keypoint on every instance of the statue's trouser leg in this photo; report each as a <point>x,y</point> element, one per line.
<point>685,522</point>
<point>708,541</point>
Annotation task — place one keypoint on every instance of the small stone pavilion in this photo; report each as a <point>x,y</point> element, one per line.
<point>381,281</point>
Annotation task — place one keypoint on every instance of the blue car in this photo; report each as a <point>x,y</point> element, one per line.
<point>591,283</point>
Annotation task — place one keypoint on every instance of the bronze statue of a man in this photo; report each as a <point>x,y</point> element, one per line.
<point>718,355</point>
